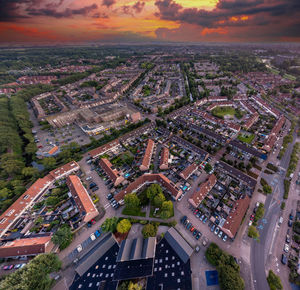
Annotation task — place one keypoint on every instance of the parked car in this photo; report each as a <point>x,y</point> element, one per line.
<point>202,217</point>
<point>195,232</point>
<point>95,188</point>
<point>109,196</point>
<point>188,226</point>
<point>225,238</point>
<point>283,259</point>
<point>217,230</point>
<point>17,266</point>
<point>286,248</point>
<point>198,236</point>
<point>79,248</point>
<point>97,234</point>
<point>93,184</point>
<point>220,234</point>
<point>183,218</point>
<point>212,228</point>
<point>290,223</point>
<point>192,229</point>
<point>93,237</point>
<point>287,239</point>
<point>88,178</point>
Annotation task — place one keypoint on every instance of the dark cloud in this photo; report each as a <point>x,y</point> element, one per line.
<point>108,3</point>
<point>225,9</point>
<point>135,8</point>
<point>61,14</point>
<point>9,10</point>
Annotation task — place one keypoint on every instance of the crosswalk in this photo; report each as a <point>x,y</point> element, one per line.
<point>106,206</point>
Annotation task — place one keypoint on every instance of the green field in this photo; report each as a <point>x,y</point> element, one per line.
<point>246,138</point>
<point>223,111</point>
<point>289,77</point>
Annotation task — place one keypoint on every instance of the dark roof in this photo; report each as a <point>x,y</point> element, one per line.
<point>238,174</point>
<point>179,244</point>
<point>136,249</point>
<point>134,269</point>
<point>89,260</point>
<point>247,149</point>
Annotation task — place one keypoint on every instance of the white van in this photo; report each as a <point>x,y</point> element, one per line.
<point>92,236</point>
<point>79,248</point>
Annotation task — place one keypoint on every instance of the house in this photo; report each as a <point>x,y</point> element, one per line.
<point>112,173</point>
<point>164,160</point>
<point>82,199</point>
<point>135,117</point>
<point>147,156</point>
<point>188,171</point>
<point>235,217</point>
<point>26,247</point>
<point>24,202</point>
<point>149,178</point>
<point>272,138</point>
<point>65,170</point>
<point>204,189</point>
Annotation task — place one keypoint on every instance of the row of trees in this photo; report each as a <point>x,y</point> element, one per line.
<point>228,269</point>
<point>35,275</point>
<point>114,224</point>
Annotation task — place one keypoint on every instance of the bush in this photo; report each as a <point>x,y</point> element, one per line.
<point>253,232</point>
<point>124,226</point>
<point>272,167</point>
<point>274,281</point>
<point>287,184</point>
<point>149,230</point>
<point>282,206</point>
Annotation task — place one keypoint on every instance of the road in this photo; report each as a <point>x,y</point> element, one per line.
<point>268,227</point>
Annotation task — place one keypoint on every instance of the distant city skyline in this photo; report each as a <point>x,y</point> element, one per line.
<point>71,21</point>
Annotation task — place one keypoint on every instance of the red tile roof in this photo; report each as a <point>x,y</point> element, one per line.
<point>148,155</point>
<point>274,134</point>
<point>26,247</point>
<point>188,171</point>
<point>64,170</point>
<point>164,158</point>
<point>236,216</point>
<point>112,173</point>
<point>83,201</point>
<point>150,178</point>
<point>25,201</point>
<point>104,148</point>
<point>204,189</point>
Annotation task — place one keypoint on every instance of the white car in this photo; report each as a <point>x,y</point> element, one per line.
<point>79,248</point>
<point>92,236</point>
<point>88,178</point>
<point>286,248</point>
<point>250,223</point>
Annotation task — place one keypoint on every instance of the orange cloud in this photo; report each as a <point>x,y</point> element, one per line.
<point>218,30</point>
<point>28,31</point>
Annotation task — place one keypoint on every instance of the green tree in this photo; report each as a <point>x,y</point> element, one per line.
<point>110,225</point>
<point>230,279</point>
<point>274,281</point>
<point>49,163</point>
<point>30,171</point>
<point>253,232</point>
<point>63,237</point>
<point>124,226</point>
<point>149,230</point>
<point>132,201</point>
<point>158,200</point>
<point>35,275</point>
<point>267,189</point>
<point>207,168</point>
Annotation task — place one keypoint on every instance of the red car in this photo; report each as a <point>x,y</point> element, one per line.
<point>93,221</point>
<point>252,217</point>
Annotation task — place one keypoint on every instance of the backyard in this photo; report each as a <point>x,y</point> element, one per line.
<point>220,112</point>
<point>246,138</point>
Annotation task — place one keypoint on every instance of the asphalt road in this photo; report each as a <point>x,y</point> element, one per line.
<point>267,226</point>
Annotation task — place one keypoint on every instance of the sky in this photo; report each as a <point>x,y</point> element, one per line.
<point>102,21</point>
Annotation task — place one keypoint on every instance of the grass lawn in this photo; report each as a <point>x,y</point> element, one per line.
<point>289,77</point>
<point>246,138</point>
<point>223,111</point>
<point>133,212</point>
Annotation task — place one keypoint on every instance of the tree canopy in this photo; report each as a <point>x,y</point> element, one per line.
<point>124,226</point>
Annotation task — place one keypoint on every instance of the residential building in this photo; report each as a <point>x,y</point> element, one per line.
<point>204,189</point>
<point>65,170</point>
<point>26,247</point>
<point>82,199</point>
<point>112,173</point>
<point>188,171</point>
<point>148,155</point>
<point>164,159</point>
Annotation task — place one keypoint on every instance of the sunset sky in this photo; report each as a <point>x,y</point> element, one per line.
<point>63,21</point>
